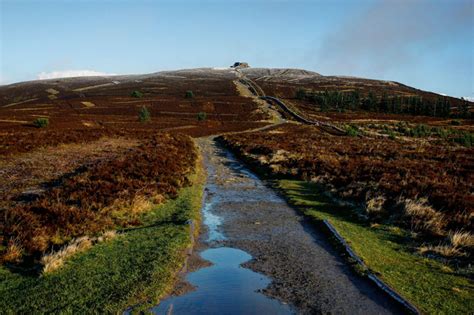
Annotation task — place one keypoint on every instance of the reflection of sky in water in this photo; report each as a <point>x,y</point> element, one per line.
<point>224,288</point>
<point>212,222</point>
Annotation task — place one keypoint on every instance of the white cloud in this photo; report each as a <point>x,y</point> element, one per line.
<point>70,73</point>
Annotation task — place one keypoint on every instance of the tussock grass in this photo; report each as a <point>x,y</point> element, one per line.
<point>424,218</point>
<point>458,244</point>
<point>13,252</point>
<point>462,239</point>
<point>374,206</point>
<point>56,259</point>
<point>444,250</point>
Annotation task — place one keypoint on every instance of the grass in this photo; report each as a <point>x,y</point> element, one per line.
<point>432,286</point>
<point>139,266</point>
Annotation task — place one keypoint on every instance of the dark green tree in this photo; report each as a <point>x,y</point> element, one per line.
<point>136,94</point>
<point>301,94</point>
<point>189,94</point>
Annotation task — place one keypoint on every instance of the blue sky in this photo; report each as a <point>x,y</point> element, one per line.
<point>428,44</point>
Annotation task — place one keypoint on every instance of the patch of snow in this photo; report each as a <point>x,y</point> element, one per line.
<point>70,74</point>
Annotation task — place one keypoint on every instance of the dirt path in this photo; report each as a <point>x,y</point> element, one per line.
<point>305,270</point>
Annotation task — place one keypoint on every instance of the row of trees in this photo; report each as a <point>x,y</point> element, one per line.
<point>414,105</point>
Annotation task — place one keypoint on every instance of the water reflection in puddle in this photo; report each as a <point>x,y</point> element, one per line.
<point>212,223</point>
<point>224,288</point>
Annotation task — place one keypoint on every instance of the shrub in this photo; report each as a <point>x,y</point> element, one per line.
<point>421,131</point>
<point>402,127</point>
<point>465,139</point>
<point>201,116</point>
<point>391,135</point>
<point>144,115</point>
<point>362,169</point>
<point>352,131</point>
<point>189,94</point>
<point>442,133</point>
<point>136,94</point>
<point>41,122</point>
<point>455,122</point>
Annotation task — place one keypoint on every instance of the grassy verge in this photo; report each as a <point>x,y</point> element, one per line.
<point>432,286</point>
<point>138,266</point>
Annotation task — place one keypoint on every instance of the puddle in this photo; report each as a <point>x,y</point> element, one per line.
<point>212,222</point>
<point>224,288</point>
<point>240,210</point>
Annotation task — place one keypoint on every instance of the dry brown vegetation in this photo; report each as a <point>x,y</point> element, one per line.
<point>96,166</point>
<point>116,110</point>
<point>286,85</point>
<point>55,259</point>
<point>105,193</point>
<point>422,185</point>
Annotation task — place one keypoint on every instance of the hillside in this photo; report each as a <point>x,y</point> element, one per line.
<point>103,189</point>
<point>93,102</point>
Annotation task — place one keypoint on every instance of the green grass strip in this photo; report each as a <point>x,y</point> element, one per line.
<point>432,286</point>
<point>138,266</point>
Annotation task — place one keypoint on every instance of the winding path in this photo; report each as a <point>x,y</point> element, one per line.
<point>256,90</point>
<point>306,272</point>
<point>294,261</point>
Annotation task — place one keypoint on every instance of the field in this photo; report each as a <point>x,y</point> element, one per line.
<point>388,177</point>
<point>117,102</point>
<point>90,187</point>
<point>99,171</point>
<point>401,201</point>
<point>139,265</point>
<point>100,225</point>
<point>98,195</point>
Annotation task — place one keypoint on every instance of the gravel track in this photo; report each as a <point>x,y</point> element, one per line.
<point>306,272</point>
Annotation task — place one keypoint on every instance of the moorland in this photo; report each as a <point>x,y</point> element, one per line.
<point>96,171</point>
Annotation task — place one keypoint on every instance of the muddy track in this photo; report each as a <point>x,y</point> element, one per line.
<point>306,272</point>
